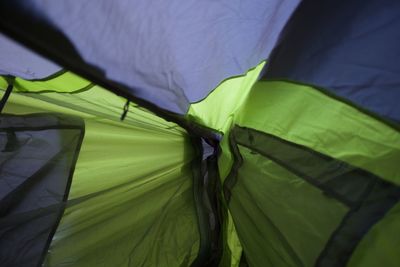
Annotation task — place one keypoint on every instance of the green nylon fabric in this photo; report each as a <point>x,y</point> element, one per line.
<point>232,248</point>
<point>218,109</point>
<point>217,112</point>
<point>281,219</point>
<point>65,82</point>
<point>233,91</point>
<point>380,247</point>
<point>292,233</point>
<point>131,199</point>
<point>305,116</point>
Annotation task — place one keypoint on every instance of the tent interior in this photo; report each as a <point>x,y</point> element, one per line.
<point>200,133</point>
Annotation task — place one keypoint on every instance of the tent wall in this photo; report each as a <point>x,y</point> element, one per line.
<point>232,93</point>
<point>308,157</point>
<point>310,177</point>
<point>131,199</point>
<point>380,245</point>
<point>37,159</point>
<point>122,218</point>
<point>282,217</point>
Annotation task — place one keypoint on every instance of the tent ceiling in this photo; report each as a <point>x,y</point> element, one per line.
<point>17,60</point>
<point>171,53</point>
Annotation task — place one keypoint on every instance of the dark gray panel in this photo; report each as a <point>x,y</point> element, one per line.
<point>37,158</point>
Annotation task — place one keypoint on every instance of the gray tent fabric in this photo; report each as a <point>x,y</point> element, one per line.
<point>350,48</point>
<point>37,160</point>
<point>171,53</point>
<point>16,60</point>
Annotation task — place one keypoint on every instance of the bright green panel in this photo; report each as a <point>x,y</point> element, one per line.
<point>218,109</point>
<point>3,83</point>
<point>303,115</point>
<point>148,204</point>
<point>126,153</point>
<point>66,82</point>
<point>97,103</point>
<point>281,219</point>
<point>141,210</point>
<point>131,199</point>
<point>380,246</point>
<point>232,248</point>
<point>233,242</point>
<point>225,159</point>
